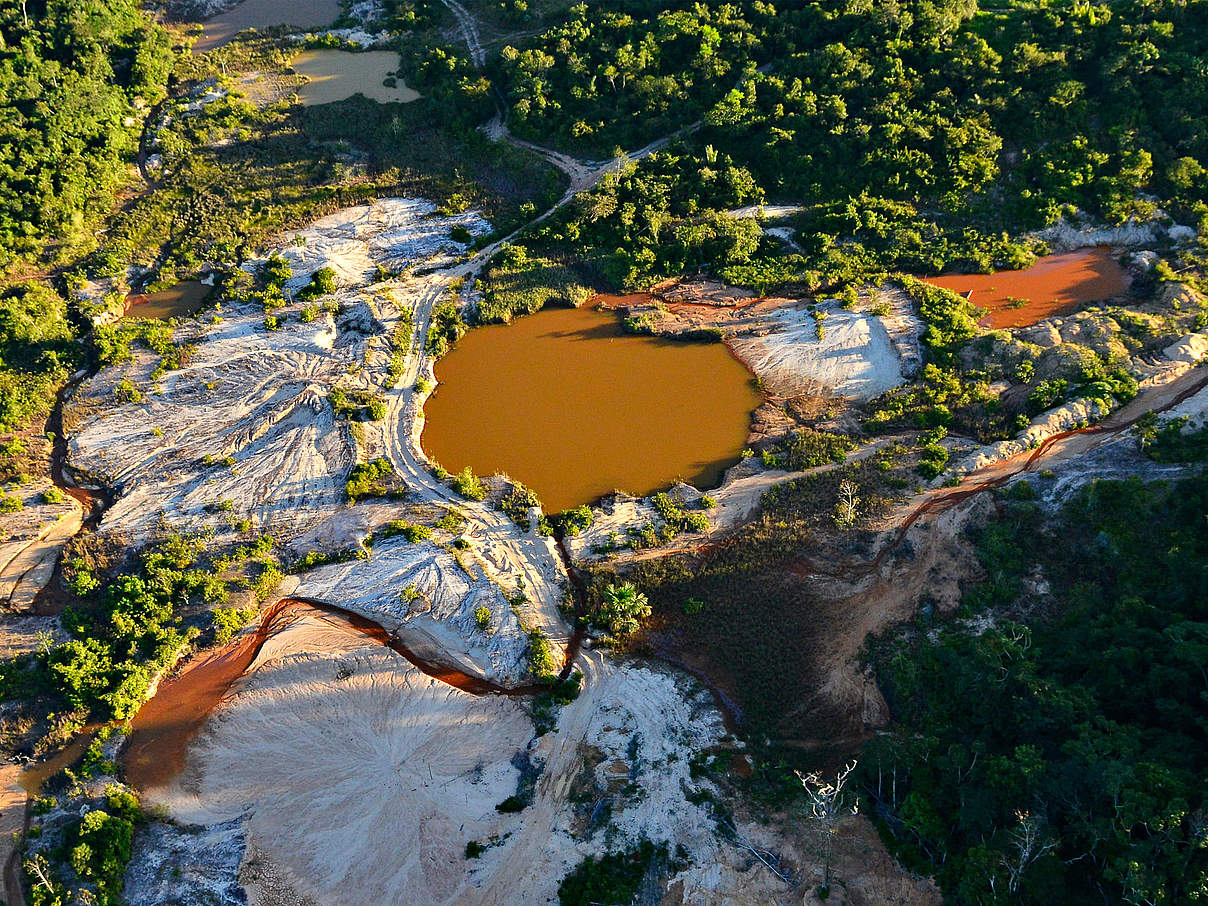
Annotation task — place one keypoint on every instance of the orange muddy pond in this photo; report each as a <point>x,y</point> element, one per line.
<point>1055,285</point>
<point>566,403</point>
<point>264,14</point>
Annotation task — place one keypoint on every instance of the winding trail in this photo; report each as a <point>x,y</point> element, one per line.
<point>469,31</point>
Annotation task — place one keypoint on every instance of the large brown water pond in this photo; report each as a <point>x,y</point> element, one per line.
<point>335,75</point>
<point>1056,285</point>
<point>565,403</point>
<point>265,14</point>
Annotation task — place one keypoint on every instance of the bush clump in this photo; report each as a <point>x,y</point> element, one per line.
<point>621,609</point>
<point>610,880</point>
<point>367,479</point>
<point>540,655</point>
<point>469,485</point>
<point>409,530</point>
<point>322,283</point>
<point>229,620</point>
<point>445,328</point>
<point>517,502</point>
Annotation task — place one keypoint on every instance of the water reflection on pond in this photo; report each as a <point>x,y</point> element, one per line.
<point>183,300</point>
<point>265,14</point>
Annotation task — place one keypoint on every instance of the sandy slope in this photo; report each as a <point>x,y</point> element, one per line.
<point>358,777</point>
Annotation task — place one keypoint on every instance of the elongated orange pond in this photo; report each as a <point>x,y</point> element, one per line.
<point>567,404</point>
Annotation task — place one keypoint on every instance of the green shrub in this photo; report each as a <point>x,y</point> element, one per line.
<point>610,880</point>
<point>621,609</point>
<point>933,459</point>
<point>124,392</point>
<point>53,496</point>
<point>482,618</point>
<point>540,655</point>
<point>445,328</point>
<point>409,530</point>
<point>576,521</point>
<point>229,620</point>
<point>1046,395</point>
<point>469,485</point>
<point>367,479</point>
<point>517,502</point>
<point>511,805</point>
<point>322,283</point>
<point>275,271</point>
<point>358,405</point>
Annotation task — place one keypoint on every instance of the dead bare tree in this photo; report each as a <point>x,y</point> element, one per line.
<point>1028,843</point>
<point>847,509</point>
<point>829,801</point>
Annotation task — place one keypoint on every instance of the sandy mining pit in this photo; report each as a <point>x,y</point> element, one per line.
<point>345,775</point>
<point>244,428</point>
<point>796,348</point>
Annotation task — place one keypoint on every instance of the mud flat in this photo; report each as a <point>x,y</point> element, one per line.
<point>607,411</point>
<point>334,75</point>
<point>1055,285</point>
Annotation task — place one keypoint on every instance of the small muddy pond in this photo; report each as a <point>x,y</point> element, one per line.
<point>1056,285</point>
<point>565,403</point>
<point>265,14</point>
<point>335,75</point>
<point>183,300</point>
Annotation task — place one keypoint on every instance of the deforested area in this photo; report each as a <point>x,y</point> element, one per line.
<point>622,452</point>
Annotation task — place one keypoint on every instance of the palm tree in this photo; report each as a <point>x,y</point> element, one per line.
<point>623,608</point>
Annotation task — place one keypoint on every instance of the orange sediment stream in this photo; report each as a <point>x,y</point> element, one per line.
<point>1052,286</point>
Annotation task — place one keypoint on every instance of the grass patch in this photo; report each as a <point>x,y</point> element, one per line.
<point>517,284</point>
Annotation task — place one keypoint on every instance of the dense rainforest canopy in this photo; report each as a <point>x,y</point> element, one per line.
<point>74,75</point>
<point>1061,755</point>
<point>915,135</point>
